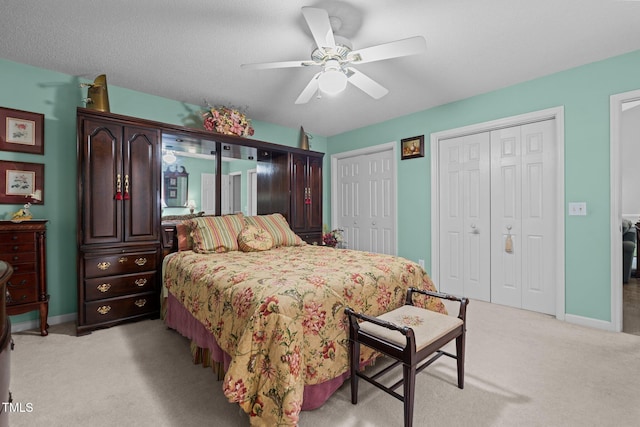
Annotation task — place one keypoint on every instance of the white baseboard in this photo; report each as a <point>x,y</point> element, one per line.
<point>589,322</point>
<point>35,324</point>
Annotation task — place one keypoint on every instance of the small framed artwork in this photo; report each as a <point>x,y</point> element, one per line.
<point>412,147</point>
<point>21,182</point>
<point>21,131</point>
<point>173,194</point>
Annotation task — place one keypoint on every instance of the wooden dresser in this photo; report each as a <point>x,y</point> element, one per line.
<point>22,244</point>
<point>5,344</point>
<point>119,244</point>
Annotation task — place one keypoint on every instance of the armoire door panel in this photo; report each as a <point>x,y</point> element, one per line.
<point>102,170</point>
<point>141,163</point>
<point>314,182</point>
<point>299,192</point>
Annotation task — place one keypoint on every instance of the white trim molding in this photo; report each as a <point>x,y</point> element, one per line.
<point>556,113</point>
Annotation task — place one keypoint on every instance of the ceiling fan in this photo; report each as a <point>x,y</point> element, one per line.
<point>335,56</point>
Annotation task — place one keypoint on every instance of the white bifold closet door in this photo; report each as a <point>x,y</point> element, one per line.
<point>497,206</point>
<point>366,202</point>
<point>523,205</point>
<point>465,239</point>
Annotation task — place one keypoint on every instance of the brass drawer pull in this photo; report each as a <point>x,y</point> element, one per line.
<point>104,309</point>
<point>140,303</point>
<point>141,282</point>
<point>122,259</point>
<point>104,265</point>
<point>140,261</point>
<point>104,287</point>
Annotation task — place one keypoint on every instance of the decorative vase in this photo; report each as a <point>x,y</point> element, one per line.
<point>304,139</point>
<point>97,95</point>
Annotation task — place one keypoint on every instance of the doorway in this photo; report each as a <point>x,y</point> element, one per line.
<point>510,237</point>
<point>620,104</point>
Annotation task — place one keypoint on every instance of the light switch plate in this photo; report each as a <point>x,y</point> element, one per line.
<point>578,208</point>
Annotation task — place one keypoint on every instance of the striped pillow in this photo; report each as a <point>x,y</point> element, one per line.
<point>213,234</point>
<point>278,227</point>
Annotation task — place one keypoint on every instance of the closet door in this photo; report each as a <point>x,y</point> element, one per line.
<point>366,202</point>
<point>465,216</point>
<point>523,205</point>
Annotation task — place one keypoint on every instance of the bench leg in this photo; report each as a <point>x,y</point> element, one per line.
<point>409,384</point>
<point>460,359</point>
<point>354,349</point>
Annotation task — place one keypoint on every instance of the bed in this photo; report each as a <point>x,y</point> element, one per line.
<point>275,317</point>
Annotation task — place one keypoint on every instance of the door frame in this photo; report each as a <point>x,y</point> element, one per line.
<point>556,113</point>
<point>615,219</point>
<point>389,146</point>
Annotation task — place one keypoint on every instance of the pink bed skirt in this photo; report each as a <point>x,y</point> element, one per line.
<point>178,318</point>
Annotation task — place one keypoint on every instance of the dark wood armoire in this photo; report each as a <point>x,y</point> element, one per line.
<point>119,220</point>
<point>121,238</point>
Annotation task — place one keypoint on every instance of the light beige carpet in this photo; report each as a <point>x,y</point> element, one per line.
<point>631,306</point>
<point>523,369</point>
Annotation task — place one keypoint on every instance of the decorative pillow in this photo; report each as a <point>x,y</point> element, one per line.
<point>183,231</point>
<point>254,239</point>
<point>213,234</point>
<point>278,227</point>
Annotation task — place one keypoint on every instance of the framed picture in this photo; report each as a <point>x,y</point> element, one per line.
<point>173,194</point>
<point>412,147</point>
<point>21,182</point>
<point>21,131</point>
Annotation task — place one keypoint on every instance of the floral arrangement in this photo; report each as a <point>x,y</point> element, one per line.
<point>333,238</point>
<point>226,120</point>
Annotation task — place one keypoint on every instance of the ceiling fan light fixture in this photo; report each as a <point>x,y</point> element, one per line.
<point>332,82</point>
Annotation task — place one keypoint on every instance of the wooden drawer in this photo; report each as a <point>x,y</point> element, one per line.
<point>19,258</point>
<point>22,288</point>
<point>121,263</point>
<point>121,308</point>
<point>17,247</point>
<point>109,287</point>
<point>18,237</point>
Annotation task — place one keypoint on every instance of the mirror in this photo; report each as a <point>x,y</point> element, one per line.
<point>198,156</point>
<point>176,187</point>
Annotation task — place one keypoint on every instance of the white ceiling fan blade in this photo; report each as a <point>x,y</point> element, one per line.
<point>309,90</point>
<point>280,64</point>
<point>404,47</point>
<point>366,84</point>
<point>318,22</point>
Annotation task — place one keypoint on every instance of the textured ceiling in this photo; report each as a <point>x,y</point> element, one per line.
<point>191,50</point>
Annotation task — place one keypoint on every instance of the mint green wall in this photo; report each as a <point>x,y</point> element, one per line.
<point>57,96</point>
<point>584,92</point>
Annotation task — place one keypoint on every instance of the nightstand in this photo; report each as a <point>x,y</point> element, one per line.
<point>22,244</point>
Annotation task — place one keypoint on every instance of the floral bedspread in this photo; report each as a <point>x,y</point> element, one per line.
<point>279,315</point>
